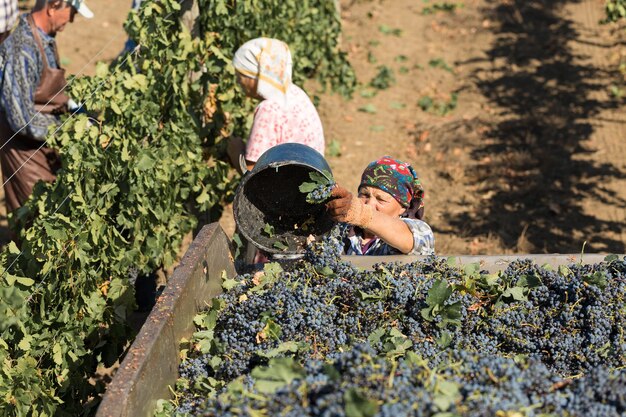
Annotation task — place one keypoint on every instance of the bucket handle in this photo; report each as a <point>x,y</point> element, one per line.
<point>242,164</point>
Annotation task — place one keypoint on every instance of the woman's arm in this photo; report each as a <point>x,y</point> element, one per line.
<point>392,230</point>
<point>346,208</point>
<point>236,154</point>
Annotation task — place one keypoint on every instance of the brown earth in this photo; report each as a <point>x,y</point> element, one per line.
<point>530,158</point>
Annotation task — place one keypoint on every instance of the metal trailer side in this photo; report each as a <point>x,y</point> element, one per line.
<point>151,365</point>
<point>490,263</point>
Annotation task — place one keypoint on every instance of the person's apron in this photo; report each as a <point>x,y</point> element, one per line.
<point>4,35</point>
<point>22,162</point>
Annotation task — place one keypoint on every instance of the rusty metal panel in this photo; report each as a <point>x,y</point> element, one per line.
<point>151,364</point>
<point>490,263</point>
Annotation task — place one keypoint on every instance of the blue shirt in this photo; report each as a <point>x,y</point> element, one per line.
<point>21,65</point>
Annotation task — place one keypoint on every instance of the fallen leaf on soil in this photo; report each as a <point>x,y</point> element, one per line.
<point>423,136</point>
<point>554,208</point>
<point>427,147</point>
<point>368,108</point>
<point>368,93</point>
<point>523,244</point>
<point>475,246</point>
<point>348,118</point>
<point>487,195</point>
<point>411,151</point>
<point>457,151</point>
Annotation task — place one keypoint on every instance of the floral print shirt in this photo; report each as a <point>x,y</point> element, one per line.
<point>275,123</point>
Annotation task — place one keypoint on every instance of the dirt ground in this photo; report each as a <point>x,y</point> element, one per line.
<point>509,110</point>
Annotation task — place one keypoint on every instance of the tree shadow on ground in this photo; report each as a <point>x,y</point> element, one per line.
<point>538,176</point>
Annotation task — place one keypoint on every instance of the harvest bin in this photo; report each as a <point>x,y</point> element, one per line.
<point>151,365</point>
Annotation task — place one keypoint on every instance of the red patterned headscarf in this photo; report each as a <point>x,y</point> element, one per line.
<point>398,179</point>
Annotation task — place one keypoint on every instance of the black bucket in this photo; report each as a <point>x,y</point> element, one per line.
<point>269,195</point>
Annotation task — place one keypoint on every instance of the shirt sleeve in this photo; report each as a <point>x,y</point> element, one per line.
<point>423,238</point>
<point>17,96</point>
<point>265,131</point>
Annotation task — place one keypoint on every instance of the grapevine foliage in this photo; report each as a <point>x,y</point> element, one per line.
<point>319,190</point>
<point>133,175</point>
<point>422,339</point>
<point>615,10</point>
<point>309,27</point>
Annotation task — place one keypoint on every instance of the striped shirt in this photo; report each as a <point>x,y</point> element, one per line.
<point>423,241</point>
<point>8,14</point>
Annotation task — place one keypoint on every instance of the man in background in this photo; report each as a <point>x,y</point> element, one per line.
<point>8,16</point>
<point>32,97</point>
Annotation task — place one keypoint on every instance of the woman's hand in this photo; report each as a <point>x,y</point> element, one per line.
<point>344,207</point>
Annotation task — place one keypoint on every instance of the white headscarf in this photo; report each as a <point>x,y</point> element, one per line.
<point>268,61</point>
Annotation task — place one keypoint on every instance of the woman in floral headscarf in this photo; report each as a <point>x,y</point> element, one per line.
<point>386,218</point>
<point>285,113</point>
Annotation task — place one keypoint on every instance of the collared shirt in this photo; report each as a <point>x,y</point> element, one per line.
<point>21,65</point>
<point>423,241</point>
<point>8,14</point>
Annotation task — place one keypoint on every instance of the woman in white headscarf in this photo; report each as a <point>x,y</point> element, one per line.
<point>285,113</point>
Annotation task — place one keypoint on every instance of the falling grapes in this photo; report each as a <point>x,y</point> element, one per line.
<point>319,190</point>
<point>320,194</point>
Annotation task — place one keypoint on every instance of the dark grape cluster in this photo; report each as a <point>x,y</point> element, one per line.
<point>470,384</point>
<point>320,194</point>
<point>413,340</point>
<point>575,325</point>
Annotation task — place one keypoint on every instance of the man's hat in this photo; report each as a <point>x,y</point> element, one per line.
<point>81,8</point>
